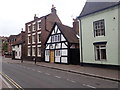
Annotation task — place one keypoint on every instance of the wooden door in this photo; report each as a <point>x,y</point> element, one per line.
<point>52,56</point>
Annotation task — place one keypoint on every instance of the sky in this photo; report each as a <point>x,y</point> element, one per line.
<point>15,13</point>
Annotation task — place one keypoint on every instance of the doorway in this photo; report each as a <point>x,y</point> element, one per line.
<point>51,56</point>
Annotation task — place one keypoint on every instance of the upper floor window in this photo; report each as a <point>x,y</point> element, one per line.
<point>29,28</point>
<point>34,27</point>
<point>39,25</point>
<point>29,39</point>
<point>33,39</point>
<point>99,28</point>
<point>39,37</point>
<point>100,52</point>
<point>56,38</point>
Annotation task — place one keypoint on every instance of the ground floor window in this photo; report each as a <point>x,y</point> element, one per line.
<point>47,52</point>
<point>33,51</point>
<point>57,53</point>
<point>100,52</point>
<point>29,51</point>
<point>39,51</point>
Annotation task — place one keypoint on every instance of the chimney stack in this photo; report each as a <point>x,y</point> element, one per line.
<point>53,10</point>
<point>76,25</point>
<point>35,17</point>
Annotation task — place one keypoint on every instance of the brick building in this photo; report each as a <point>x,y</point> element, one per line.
<point>37,32</point>
<point>11,41</point>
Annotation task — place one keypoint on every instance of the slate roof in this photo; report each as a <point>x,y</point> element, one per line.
<point>93,7</point>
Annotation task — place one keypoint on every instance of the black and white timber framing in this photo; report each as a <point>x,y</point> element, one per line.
<point>62,45</point>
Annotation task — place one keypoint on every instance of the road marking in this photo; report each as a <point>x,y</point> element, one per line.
<point>33,69</point>
<point>6,83</point>
<point>12,81</point>
<point>47,73</point>
<point>57,76</point>
<point>39,71</point>
<point>71,81</point>
<point>28,68</point>
<point>89,86</point>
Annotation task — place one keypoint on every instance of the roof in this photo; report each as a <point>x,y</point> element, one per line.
<point>43,17</point>
<point>68,33</point>
<point>93,7</point>
<point>12,37</point>
<point>20,39</point>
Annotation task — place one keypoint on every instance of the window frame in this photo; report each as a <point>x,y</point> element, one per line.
<point>29,28</point>
<point>57,53</point>
<point>98,49</point>
<point>99,28</point>
<point>39,51</point>
<point>39,25</point>
<point>33,39</point>
<point>33,51</point>
<point>29,51</point>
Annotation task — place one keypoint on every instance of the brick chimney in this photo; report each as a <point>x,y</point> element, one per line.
<point>76,25</point>
<point>35,17</point>
<point>53,10</point>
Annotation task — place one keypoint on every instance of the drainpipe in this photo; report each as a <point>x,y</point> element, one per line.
<point>46,23</point>
<point>81,47</point>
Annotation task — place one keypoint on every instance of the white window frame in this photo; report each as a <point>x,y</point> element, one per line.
<point>47,52</point>
<point>100,47</point>
<point>33,51</point>
<point>57,53</point>
<point>38,37</point>
<point>29,29</point>
<point>33,38</point>
<point>28,38</point>
<point>39,51</point>
<point>33,26</point>
<point>39,25</point>
<point>99,28</point>
<point>29,51</point>
<point>56,38</point>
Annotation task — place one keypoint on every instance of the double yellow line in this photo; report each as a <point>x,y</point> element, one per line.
<point>12,81</point>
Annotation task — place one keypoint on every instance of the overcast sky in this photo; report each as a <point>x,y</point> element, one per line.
<point>15,13</point>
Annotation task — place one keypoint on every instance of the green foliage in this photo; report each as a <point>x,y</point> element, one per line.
<point>5,46</point>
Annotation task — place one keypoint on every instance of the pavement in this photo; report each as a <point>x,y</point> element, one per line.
<point>104,73</point>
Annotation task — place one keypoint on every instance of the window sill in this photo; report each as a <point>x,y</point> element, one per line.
<point>102,60</point>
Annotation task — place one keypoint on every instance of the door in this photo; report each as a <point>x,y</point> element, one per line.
<point>52,56</point>
<point>13,54</point>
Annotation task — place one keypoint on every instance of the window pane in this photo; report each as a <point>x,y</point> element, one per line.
<point>98,54</point>
<point>103,54</point>
<point>99,28</point>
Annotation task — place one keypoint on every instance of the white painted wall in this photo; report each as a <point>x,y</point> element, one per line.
<point>47,57</point>
<point>63,52</point>
<point>111,31</point>
<point>18,50</point>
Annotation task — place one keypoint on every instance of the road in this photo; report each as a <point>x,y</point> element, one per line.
<point>33,76</point>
